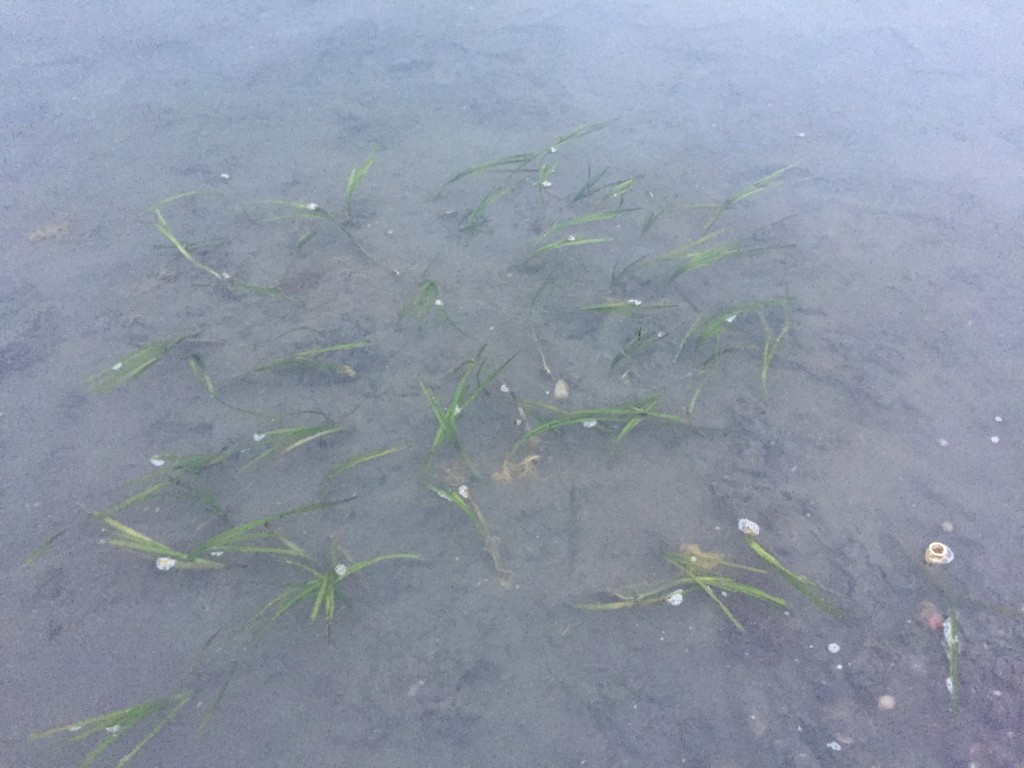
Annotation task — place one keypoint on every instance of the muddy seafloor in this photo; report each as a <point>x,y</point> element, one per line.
<point>894,237</point>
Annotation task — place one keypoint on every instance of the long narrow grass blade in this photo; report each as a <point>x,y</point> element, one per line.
<point>164,228</point>
<point>135,364</point>
<point>802,584</point>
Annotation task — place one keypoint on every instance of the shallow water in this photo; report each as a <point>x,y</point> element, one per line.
<point>895,235</point>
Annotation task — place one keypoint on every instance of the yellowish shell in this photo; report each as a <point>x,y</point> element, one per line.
<point>561,389</point>
<point>938,554</point>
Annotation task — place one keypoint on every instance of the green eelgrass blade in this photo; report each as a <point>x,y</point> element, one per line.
<point>625,415</point>
<point>41,549</point>
<point>117,723</point>
<point>641,340</point>
<point>164,228</point>
<point>355,179</point>
<point>355,462</point>
<point>771,346</point>
<point>314,211</point>
<point>247,537</point>
<point>569,242</point>
<point>713,326</point>
<point>172,470</point>
<point>473,220</point>
<point>281,441</point>
<point>307,358</point>
<point>518,162</point>
<point>128,538</point>
<point>579,220</point>
<point>509,163</point>
<point>135,364</point>
<point>592,185</point>
<point>802,584</point>
<point>627,307</point>
<point>492,543</point>
<point>750,190</point>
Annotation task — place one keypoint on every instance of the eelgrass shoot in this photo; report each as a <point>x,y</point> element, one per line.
<point>356,461</point>
<point>278,442</point>
<point>715,326</point>
<point>765,182</point>
<point>640,341</point>
<point>802,584</point>
<point>545,243</point>
<point>111,727</point>
<point>476,218</point>
<point>621,418</point>
<point>170,470</point>
<point>691,256</point>
<point>253,537</point>
<point>165,229</point>
<point>448,415</point>
<point>135,364</point>
<point>355,178</point>
<point>322,589</point>
<point>465,501</point>
<point>316,212</point>
<point>314,359</point>
<point>517,163</point>
<point>627,307</point>
<point>698,571</point>
<point>425,301</point>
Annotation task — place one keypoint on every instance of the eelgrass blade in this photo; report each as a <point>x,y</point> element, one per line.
<point>41,549</point>
<point>164,228</point>
<point>355,462</point>
<point>127,537</point>
<point>248,537</point>
<point>802,584</point>
<point>278,442</point>
<point>750,190</point>
<point>569,242</point>
<point>355,178</point>
<point>509,163</point>
<point>624,415</point>
<point>771,346</point>
<point>135,364</point>
<point>476,218</point>
<point>464,501</point>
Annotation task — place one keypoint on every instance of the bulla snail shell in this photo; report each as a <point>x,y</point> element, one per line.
<point>938,554</point>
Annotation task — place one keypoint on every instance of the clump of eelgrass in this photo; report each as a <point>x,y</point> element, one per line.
<point>714,328</point>
<point>253,537</point>
<point>426,301</point>
<point>448,415</point>
<point>278,442</point>
<point>765,182</point>
<point>697,571</point>
<point>355,178</point>
<point>111,727</point>
<point>322,589</point>
<point>171,470</point>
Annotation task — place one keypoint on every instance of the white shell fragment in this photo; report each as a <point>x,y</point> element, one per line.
<point>156,461</point>
<point>748,527</point>
<point>165,563</point>
<point>561,389</point>
<point>833,648</point>
<point>341,569</point>
<point>676,598</point>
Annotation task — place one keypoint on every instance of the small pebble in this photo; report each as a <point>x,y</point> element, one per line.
<point>833,647</point>
<point>994,439</point>
<point>999,419</point>
<point>886,702</point>
<point>943,442</point>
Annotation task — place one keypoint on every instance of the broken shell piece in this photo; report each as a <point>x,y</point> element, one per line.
<point>561,389</point>
<point>938,554</point>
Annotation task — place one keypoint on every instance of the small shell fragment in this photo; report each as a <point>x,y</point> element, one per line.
<point>748,527</point>
<point>165,563</point>
<point>561,389</point>
<point>676,598</point>
<point>156,461</point>
<point>938,554</point>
